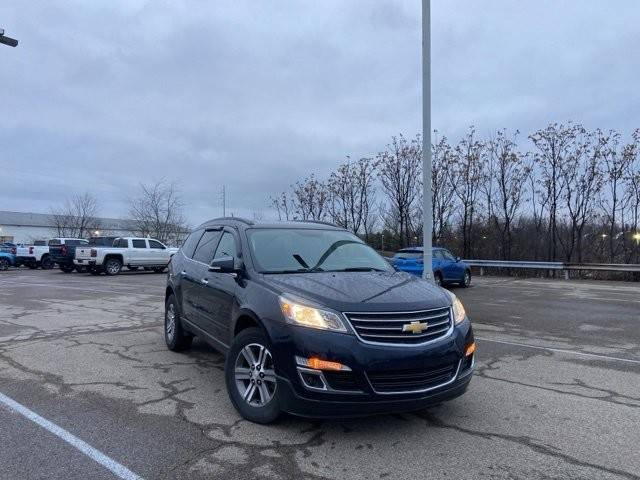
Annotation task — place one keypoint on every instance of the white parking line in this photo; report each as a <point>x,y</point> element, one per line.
<point>119,470</point>
<point>561,350</point>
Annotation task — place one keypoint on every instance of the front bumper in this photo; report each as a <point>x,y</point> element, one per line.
<point>363,359</point>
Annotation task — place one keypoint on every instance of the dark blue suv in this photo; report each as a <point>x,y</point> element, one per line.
<point>314,322</point>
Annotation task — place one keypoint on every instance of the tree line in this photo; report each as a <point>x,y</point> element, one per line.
<point>563,193</point>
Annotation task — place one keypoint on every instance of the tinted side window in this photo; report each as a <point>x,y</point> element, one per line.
<point>227,246</point>
<point>190,243</point>
<point>156,244</point>
<point>72,242</point>
<point>55,241</point>
<point>121,243</point>
<point>208,242</point>
<point>447,255</point>
<point>139,243</point>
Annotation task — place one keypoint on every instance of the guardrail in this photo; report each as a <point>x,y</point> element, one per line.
<point>564,266</point>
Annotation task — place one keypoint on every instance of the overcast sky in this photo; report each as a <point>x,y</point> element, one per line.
<point>102,95</point>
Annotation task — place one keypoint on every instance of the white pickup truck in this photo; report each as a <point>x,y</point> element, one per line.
<point>130,252</point>
<point>37,255</point>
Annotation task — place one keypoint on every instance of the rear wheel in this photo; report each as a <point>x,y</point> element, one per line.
<point>46,263</point>
<point>4,263</point>
<point>112,266</point>
<point>66,268</point>
<point>250,377</point>
<point>174,335</point>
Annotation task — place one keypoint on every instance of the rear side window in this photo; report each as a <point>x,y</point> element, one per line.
<point>206,246</point>
<point>190,243</point>
<point>156,244</point>
<point>120,243</point>
<point>139,243</point>
<point>55,241</point>
<point>72,242</point>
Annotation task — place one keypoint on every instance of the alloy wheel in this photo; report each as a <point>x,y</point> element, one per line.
<point>170,322</point>
<point>254,375</point>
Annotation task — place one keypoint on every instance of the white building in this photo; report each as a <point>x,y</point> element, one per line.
<point>25,227</point>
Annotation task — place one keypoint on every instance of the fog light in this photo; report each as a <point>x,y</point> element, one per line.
<point>318,364</point>
<point>470,349</point>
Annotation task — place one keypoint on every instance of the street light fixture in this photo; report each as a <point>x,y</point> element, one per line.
<point>12,42</point>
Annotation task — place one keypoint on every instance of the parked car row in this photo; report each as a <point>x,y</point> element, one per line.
<point>95,255</point>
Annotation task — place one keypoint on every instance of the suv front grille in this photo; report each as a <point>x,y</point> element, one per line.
<point>403,381</point>
<point>401,327</point>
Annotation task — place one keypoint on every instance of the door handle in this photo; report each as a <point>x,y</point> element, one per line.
<point>204,281</point>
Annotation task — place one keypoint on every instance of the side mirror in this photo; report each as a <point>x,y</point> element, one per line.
<point>223,265</point>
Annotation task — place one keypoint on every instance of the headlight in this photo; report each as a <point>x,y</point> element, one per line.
<point>459,313</point>
<point>306,316</point>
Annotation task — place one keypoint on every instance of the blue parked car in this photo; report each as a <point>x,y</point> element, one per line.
<point>7,260</point>
<point>446,267</point>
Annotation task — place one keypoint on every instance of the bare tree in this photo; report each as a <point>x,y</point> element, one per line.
<point>400,173</point>
<point>581,183</point>
<point>76,217</point>
<point>443,195</point>
<point>158,212</point>
<point>352,194</point>
<point>467,178</point>
<point>282,204</point>
<point>511,173</point>
<point>310,199</point>
<point>616,163</point>
<point>554,144</point>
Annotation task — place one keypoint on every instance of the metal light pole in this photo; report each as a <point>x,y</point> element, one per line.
<point>12,42</point>
<point>427,212</point>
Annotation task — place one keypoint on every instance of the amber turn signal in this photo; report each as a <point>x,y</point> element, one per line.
<point>470,349</point>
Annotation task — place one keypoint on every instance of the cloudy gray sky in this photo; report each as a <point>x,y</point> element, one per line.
<point>102,95</point>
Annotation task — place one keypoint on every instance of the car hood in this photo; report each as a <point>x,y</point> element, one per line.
<point>362,291</point>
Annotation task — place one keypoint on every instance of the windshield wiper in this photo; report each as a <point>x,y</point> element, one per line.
<point>300,260</point>
<point>299,270</point>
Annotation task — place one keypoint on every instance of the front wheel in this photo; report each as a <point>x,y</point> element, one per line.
<point>466,280</point>
<point>250,377</point>
<point>66,268</point>
<point>4,264</point>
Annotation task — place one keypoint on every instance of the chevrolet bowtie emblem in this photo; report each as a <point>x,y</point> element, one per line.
<point>415,327</point>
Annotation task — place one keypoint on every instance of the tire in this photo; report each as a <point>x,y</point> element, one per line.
<point>132,268</point>
<point>4,264</point>
<point>46,263</point>
<point>112,266</point>
<point>66,268</point>
<point>259,404</point>
<point>158,269</point>
<point>437,278</point>
<point>466,281</point>
<point>175,337</point>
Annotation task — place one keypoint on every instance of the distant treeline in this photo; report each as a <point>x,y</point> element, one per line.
<point>571,195</point>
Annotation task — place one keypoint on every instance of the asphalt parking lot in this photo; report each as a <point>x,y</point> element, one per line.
<point>556,393</point>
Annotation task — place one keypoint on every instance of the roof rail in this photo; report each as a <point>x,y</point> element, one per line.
<point>320,222</point>
<point>236,219</point>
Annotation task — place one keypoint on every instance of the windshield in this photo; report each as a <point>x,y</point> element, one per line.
<point>301,250</point>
